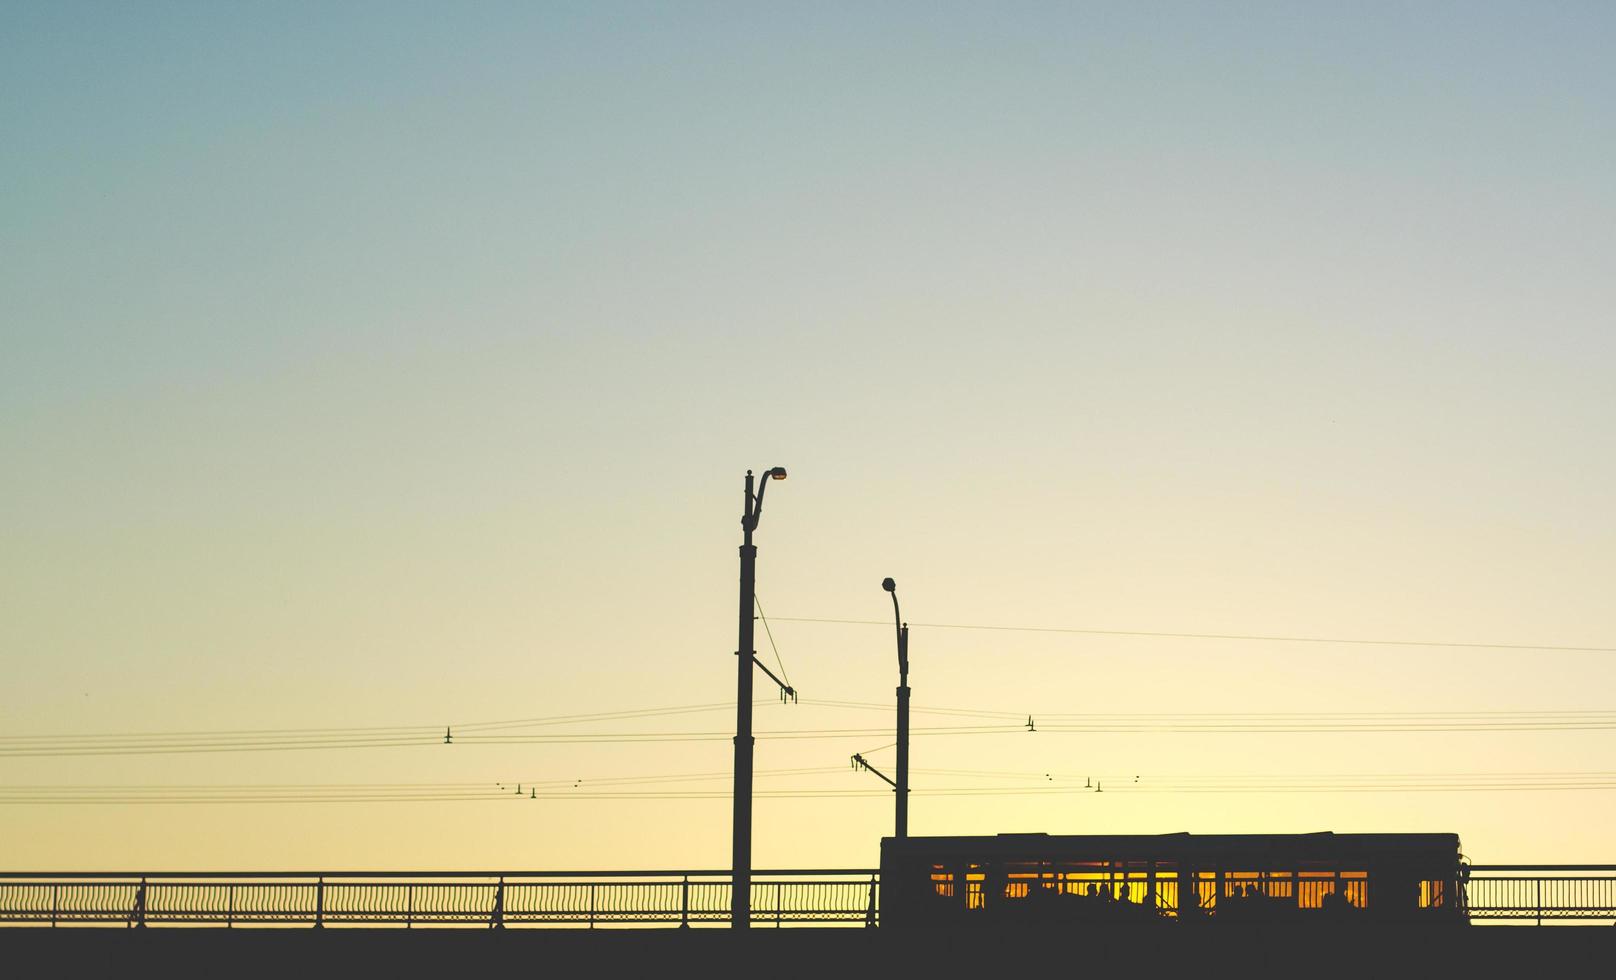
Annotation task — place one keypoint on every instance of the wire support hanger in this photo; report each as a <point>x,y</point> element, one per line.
<point>787,692</point>
<point>859,762</point>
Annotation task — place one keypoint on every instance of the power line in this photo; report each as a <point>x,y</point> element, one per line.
<point>797,733</point>
<point>1272,778</point>
<point>1253,726</point>
<point>549,788</point>
<point>602,716</point>
<point>1460,783</point>
<point>1022,713</point>
<point>1276,721</point>
<point>55,751</point>
<point>1523,720</point>
<point>520,731</point>
<point>460,730</point>
<point>396,731</point>
<point>1260,638</point>
<point>300,739</point>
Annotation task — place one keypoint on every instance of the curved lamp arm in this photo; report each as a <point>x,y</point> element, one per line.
<point>772,473</point>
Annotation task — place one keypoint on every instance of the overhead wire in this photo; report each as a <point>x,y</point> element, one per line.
<point>1022,713</point>
<point>602,716</point>
<point>548,788</point>
<point>398,731</point>
<point>1253,637</point>
<point>382,793</point>
<point>1115,724</point>
<point>262,740</point>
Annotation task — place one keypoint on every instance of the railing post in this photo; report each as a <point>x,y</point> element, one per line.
<point>56,903</point>
<point>230,913</point>
<point>869,909</point>
<point>138,916</point>
<point>777,887</point>
<point>591,905</point>
<point>684,904</point>
<point>319,903</point>
<point>497,920</point>
<point>1539,901</point>
<point>409,906</point>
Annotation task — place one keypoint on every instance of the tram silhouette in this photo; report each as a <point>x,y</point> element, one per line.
<point>1323,878</point>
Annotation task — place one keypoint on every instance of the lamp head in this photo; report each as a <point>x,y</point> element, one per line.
<point>778,473</point>
<point>889,585</point>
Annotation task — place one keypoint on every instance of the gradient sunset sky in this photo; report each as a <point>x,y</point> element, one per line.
<point>396,364</point>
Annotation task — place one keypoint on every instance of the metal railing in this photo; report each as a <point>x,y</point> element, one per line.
<point>1497,893</point>
<point>1541,893</point>
<point>410,899</point>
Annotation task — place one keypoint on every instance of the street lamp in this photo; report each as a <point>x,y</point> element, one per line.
<point>902,787</point>
<point>740,905</point>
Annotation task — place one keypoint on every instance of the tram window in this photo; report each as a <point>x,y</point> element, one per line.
<point>1019,885</point>
<point>1080,878</point>
<point>975,879</point>
<point>943,884</point>
<point>1433,894</point>
<point>1314,886</point>
<point>1279,885</point>
<point>1167,896</point>
<point>1272,885</point>
<point>1356,886</point>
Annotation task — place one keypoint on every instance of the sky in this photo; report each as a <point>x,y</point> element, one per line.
<point>393,364</point>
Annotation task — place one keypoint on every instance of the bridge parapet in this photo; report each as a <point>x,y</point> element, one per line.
<point>586,899</point>
<point>1495,894</point>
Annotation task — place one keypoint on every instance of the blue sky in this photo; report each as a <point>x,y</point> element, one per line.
<point>367,363</point>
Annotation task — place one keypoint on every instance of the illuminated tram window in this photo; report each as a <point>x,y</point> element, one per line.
<point>975,880</point>
<point>1167,896</point>
<point>1356,885</point>
<point>1313,886</point>
<point>1017,886</point>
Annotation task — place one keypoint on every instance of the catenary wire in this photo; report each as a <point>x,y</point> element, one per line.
<point>1589,784</point>
<point>500,733</point>
<point>1254,637</point>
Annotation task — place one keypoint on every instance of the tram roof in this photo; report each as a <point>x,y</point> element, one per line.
<point>1184,845</point>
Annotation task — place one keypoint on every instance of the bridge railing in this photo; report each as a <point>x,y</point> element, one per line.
<point>1540,893</point>
<point>1495,894</point>
<point>410,899</point>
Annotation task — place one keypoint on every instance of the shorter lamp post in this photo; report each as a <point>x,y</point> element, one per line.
<point>902,787</point>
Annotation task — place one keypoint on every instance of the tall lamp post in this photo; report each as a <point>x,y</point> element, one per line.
<point>740,904</point>
<point>902,787</point>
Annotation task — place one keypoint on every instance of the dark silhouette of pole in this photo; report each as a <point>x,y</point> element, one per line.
<point>901,789</point>
<point>740,904</point>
